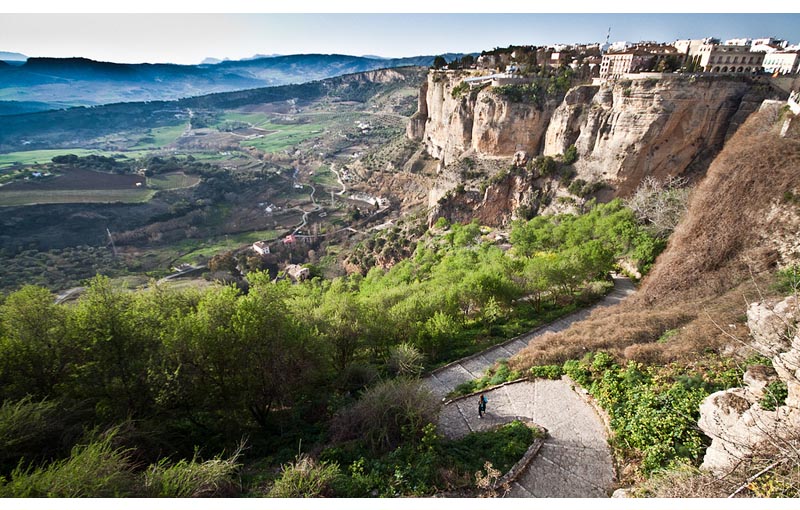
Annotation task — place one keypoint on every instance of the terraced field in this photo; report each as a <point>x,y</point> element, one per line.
<point>77,186</point>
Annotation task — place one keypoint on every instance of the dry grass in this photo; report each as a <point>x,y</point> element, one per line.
<point>653,334</point>
<point>721,240</point>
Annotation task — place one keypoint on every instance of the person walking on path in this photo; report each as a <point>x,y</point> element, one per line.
<point>482,406</point>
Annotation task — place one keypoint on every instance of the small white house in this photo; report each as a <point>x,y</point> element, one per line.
<point>261,248</point>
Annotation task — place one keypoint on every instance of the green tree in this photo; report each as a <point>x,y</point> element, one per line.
<point>34,348</point>
<point>116,352</point>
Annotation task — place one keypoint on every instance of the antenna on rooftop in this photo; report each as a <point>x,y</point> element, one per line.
<point>608,35</point>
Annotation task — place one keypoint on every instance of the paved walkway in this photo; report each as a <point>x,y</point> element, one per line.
<point>575,460</point>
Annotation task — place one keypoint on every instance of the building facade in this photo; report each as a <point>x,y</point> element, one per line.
<point>726,59</point>
<point>782,62</point>
<point>615,65</point>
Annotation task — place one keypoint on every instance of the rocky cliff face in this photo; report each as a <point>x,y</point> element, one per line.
<point>623,131</point>
<point>631,129</point>
<point>735,419</point>
<point>479,122</point>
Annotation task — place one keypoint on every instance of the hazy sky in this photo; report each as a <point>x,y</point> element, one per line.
<point>189,38</point>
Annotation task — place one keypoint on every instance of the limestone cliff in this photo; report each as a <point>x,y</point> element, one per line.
<point>623,131</point>
<point>634,128</point>
<point>480,121</point>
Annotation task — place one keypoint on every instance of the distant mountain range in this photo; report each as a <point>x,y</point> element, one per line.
<point>212,60</point>
<point>41,83</point>
<point>8,56</point>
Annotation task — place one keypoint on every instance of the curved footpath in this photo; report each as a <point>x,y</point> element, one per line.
<point>575,460</point>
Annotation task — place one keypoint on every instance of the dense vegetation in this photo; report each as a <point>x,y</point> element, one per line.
<point>323,362</point>
<point>546,85</point>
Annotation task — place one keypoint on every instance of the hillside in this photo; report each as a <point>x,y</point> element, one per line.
<point>75,127</point>
<point>660,126</point>
<point>739,228</point>
<point>81,81</point>
<point>688,315</point>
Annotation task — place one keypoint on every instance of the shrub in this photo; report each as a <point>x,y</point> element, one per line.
<point>775,395</point>
<point>356,376</point>
<point>459,90</point>
<point>406,360</point>
<point>660,206</point>
<point>28,429</point>
<point>192,479</point>
<point>93,470</point>
<point>387,413</point>
<point>305,478</point>
<point>570,155</point>
<point>788,280</point>
<point>578,372</point>
<point>651,413</point>
<point>547,371</point>
<point>545,165</point>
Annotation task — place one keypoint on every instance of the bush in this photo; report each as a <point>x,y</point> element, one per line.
<point>459,90</point>
<point>430,466</point>
<point>192,479</point>
<point>504,447</point>
<point>788,280</point>
<point>775,395</point>
<point>652,414</point>
<point>386,414</point>
<point>570,155</point>
<point>28,429</point>
<point>305,478</point>
<point>406,360</point>
<point>93,470</point>
<point>547,371</point>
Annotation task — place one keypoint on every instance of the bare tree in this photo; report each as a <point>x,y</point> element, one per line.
<point>660,205</point>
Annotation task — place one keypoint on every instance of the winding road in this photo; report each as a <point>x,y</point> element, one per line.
<point>575,460</point>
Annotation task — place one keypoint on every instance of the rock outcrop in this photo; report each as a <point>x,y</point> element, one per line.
<point>735,419</point>
<point>623,131</point>
<point>480,121</point>
<point>634,128</point>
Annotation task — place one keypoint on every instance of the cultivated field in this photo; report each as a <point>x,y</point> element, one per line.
<point>172,180</point>
<point>209,248</point>
<point>34,197</point>
<point>78,179</point>
<point>160,137</point>
<point>284,136</point>
<point>40,157</point>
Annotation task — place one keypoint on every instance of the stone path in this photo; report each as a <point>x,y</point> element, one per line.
<point>575,460</point>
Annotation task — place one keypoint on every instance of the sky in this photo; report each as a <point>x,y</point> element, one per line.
<point>190,37</point>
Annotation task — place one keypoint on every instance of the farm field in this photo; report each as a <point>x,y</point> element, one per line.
<point>85,196</point>
<point>211,247</point>
<point>160,137</point>
<point>323,176</point>
<point>284,136</point>
<point>77,179</point>
<point>40,157</point>
<point>172,180</point>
